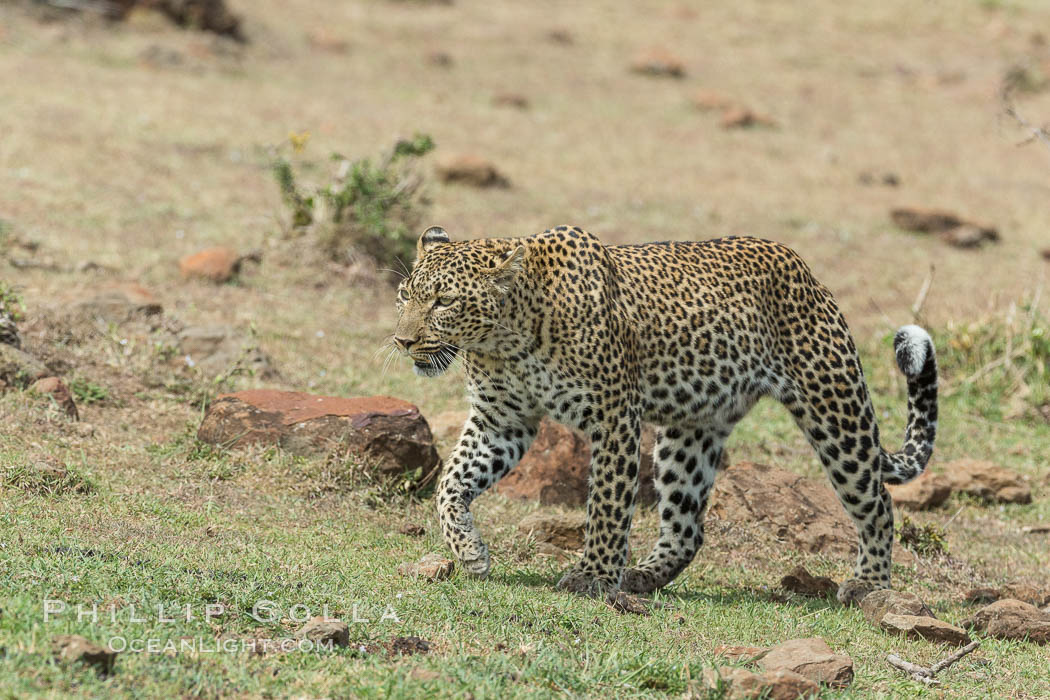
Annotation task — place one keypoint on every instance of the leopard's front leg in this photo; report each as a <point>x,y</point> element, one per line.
<point>490,445</point>
<point>610,504</point>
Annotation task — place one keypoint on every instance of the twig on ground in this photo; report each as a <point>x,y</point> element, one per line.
<point>920,299</point>
<point>1035,133</point>
<point>926,675</point>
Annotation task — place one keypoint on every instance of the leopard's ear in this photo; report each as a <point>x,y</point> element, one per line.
<point>435,235</point>
<point>506,272</point>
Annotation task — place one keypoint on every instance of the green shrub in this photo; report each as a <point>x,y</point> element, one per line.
<point>369,208</point>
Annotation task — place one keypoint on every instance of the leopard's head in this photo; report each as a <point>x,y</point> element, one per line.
<point>452,300</point>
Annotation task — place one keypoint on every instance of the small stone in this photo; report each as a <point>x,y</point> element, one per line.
<point>802,582</point>
<point>407,646</point>
<point>922,627</point>
<point>72,648</point>
<point>658,62</point>
<point>440,59</point>
<point>412,530</point>
<point>1012,619</point>
<point>987,481</point>
<point>324,40</point>
<point>877,604</point>
<point>969,236</point>
<point>323,630</point>
<point>468,169</point>
<point>217,264</point>
<point>59,392</point>
<point>217,349</point>
<point>928,491</point>
<point>774,685</point>
<point>562,531</point>
<point>710,101</point>
<point>744,118</point>
<point>510,99</point>
<point>1045,252</point>
<point>432,567</point>
<point>925,220</point>
<point>561,36</point>
<point>811,658</point>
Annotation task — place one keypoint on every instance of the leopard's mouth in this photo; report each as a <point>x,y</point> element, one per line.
<point>436,363</point>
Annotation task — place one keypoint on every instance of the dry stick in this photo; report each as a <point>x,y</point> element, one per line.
<point>920,300</point>
<point>1036,133</point>
<point>926,675</point>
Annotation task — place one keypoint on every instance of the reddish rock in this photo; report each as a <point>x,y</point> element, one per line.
<point>217,264</point>
<point>928,491</point>
<point>922,627</point>
<point>811,658</point>
<point>987,481</point>
<point>563,531</point>
<point>878,604</point>
<point>805,513</point>
<point>739,683</point>
<point>72,648</point>
<point>1012,619</point>
<point>323,630</point>
<point>59,392</point>
<point>744,118</point>
<point>511,99</point>
<point>390,432</point>
<point>468,169</point>
<point>709,101</point>
<point>658,62</point>
<point>554,470</point>
<point>432,567</point>
<point>804,583</point>
<point>982,596</point>
<point>1025,593</point>
<point>324,40</point>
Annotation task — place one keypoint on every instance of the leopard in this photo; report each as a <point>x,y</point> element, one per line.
<point>685,335</point>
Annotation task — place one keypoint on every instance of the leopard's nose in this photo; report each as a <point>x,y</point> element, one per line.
<point>404,343</point>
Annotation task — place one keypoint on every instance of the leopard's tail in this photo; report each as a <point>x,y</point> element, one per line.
<point>918,361</point>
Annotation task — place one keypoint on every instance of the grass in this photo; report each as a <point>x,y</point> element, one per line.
<point>170,159</point>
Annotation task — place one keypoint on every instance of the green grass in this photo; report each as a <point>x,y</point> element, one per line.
<point>196,526</point>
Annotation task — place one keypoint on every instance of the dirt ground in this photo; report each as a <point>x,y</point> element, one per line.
<point>126,146</point>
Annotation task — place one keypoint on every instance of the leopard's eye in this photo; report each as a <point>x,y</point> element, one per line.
<point>444,302</point>
<point>402,295</point>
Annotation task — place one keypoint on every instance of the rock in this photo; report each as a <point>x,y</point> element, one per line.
<point>59,392</point>
<point>626,603</point>
<point>324,40</point>
<point>471,170</point>
<point>658,62</point>
<point>18,368</point>
<point>802,582</point>
<point>561,36</point>
<point>432,567</point>
<point>440,59</point>
<point>811,658</point>
<point>217,264</point>
<point>407,646</point>
<point>118,305</point>
<point>925,220</point>
<point>878,604</point>
<point>741,683</point>
<point>563,531</point>
<point>217,349</point>
<point>1012,619</point>
<point>1045,252</point>
<point>744,118</point>
<point>982,596</point>
<point>323,630</point>
<point>510,99</point>
<point>1025,593</point>
<point>969,236</point>
<point>390,432</point>
<point>928,491</point>
<point>709,101</point>
<point>205,15</point>
<point>72,648</point>
<point>805,513</point>
<point>987,481</point>
<point>741,654</point>
<point>412,530</point>
<point>922,627</point>
<point>554,470</point>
